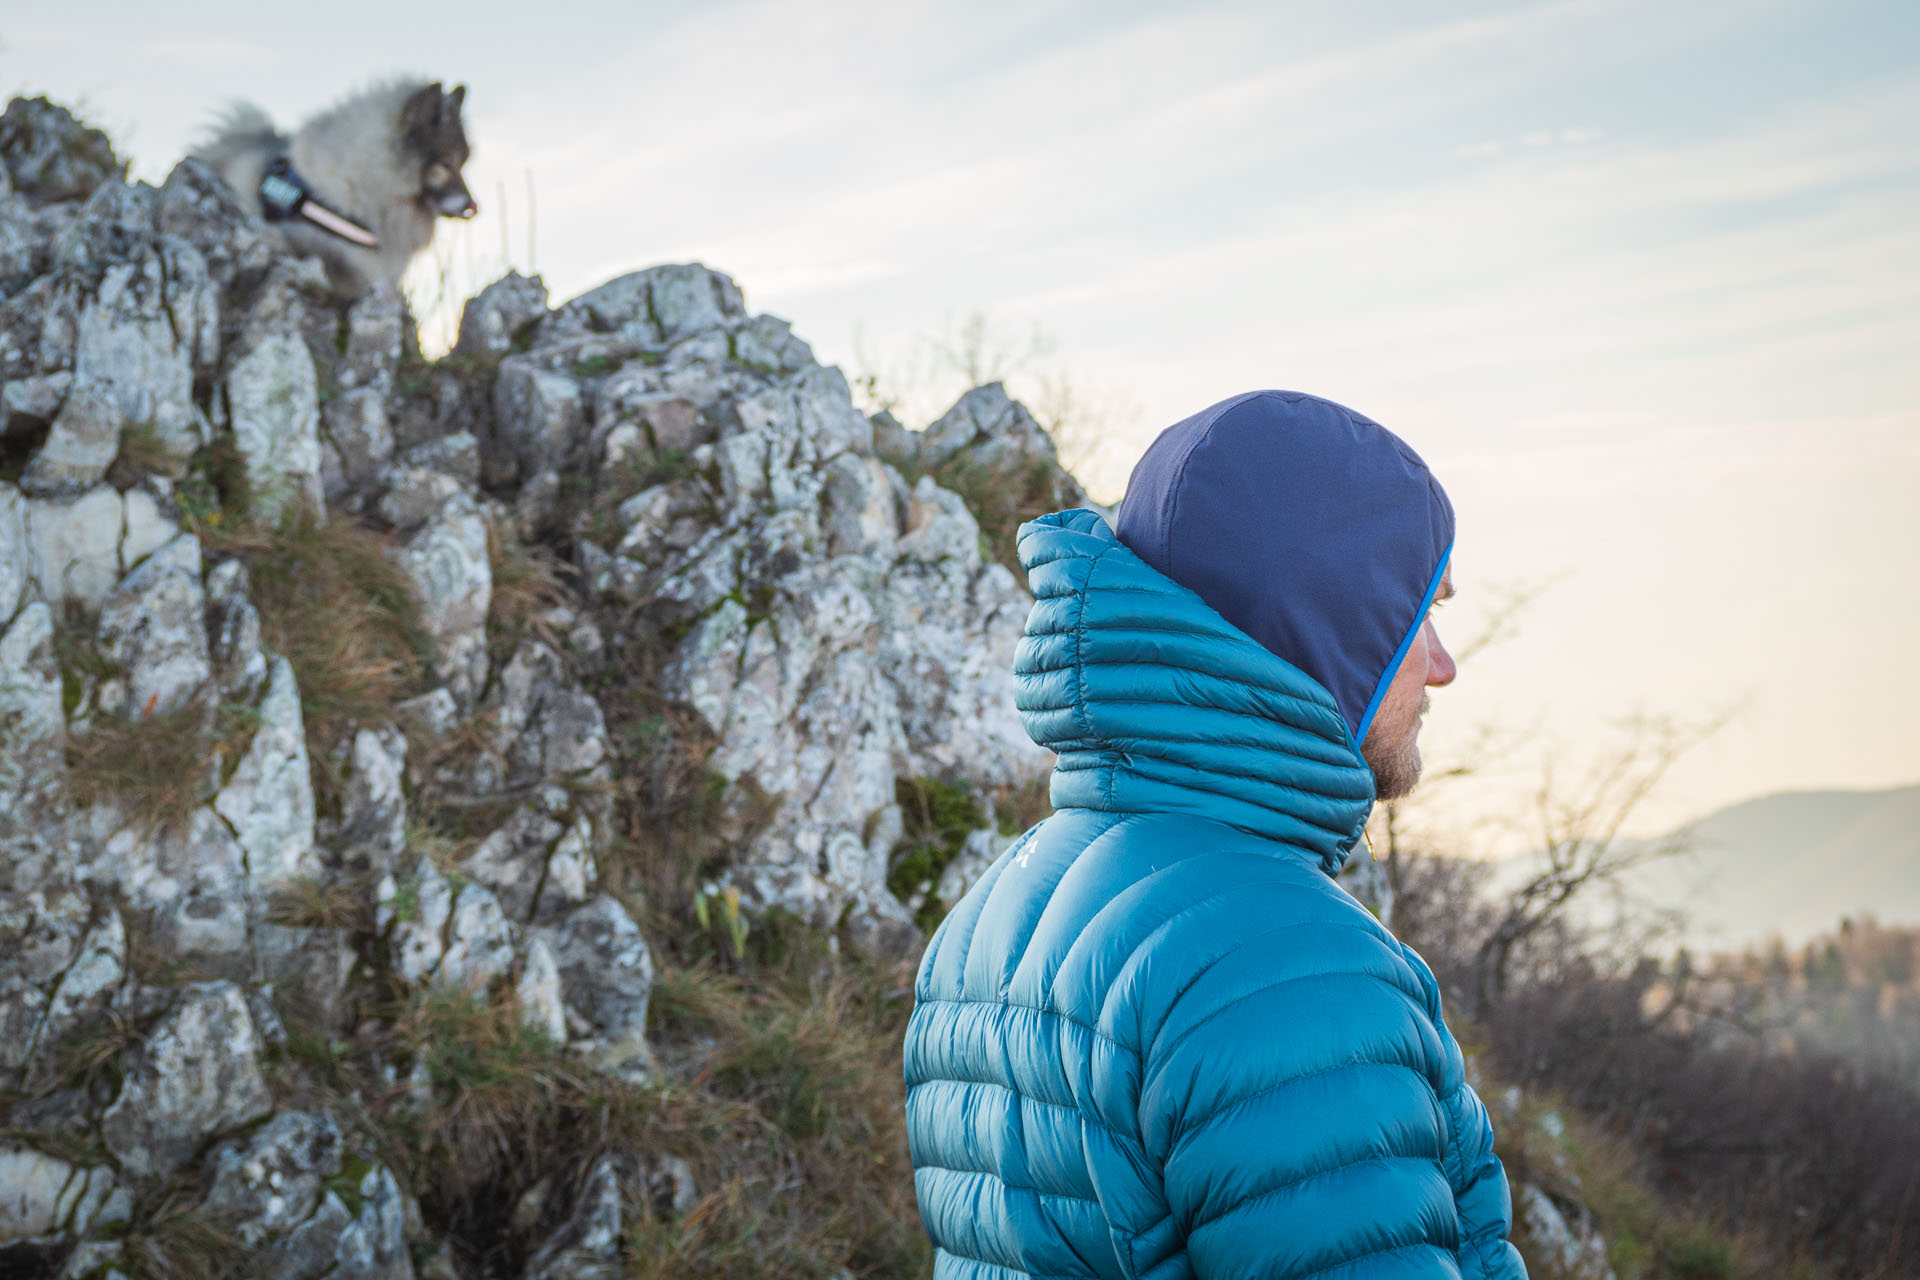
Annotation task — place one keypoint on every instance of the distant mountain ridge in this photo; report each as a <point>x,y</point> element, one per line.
<point>1793,863</point>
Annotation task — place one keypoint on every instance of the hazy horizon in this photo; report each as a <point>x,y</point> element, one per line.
<point>1642,285</point>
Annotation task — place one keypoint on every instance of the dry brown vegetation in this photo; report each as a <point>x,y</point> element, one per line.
<point>160,767</point>
<point>340,610</point>
<point>528,581</point>
<point>778,1085</point>
<point>1726,1152</point>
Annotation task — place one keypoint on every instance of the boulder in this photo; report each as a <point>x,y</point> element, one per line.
<point>153,628</point>
<point>606,970</point>
<point>494,318</point>
<point>269,800</point>
<point>269,1182</point>
<point>50,155</point>
<point>587,1245</point>
<point>195,1077</point>
<point>273,401</point>
<point>42,1196</point>
<point>452,575</point>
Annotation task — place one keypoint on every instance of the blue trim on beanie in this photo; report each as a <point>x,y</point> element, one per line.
<point>1400,654</point>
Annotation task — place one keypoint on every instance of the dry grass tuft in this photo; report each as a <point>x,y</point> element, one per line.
<point>815,1059</point>
<point>528,580</point>
<point>325,902</point>
<point>342,613</point>
<point>159,768</point>
<point>177,1242</point>
<point>142,452</point>
<point>780,1088</point>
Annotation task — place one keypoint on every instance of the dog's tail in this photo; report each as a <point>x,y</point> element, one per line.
<point>243,131</point>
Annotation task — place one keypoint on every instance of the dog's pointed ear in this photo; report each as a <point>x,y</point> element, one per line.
<point>422,109</point>
<point>450,109</point>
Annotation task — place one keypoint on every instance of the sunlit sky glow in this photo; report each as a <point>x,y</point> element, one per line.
<point>1640,280</point>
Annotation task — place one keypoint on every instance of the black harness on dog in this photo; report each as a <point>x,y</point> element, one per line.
<point>285,196</point>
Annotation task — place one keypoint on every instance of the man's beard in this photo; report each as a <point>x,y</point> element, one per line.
<point>1395,765</point>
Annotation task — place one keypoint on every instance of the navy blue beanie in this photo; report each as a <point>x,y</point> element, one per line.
<point>1316,531</point>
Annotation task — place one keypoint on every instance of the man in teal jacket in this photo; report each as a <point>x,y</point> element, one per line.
<point>1156,1040</point>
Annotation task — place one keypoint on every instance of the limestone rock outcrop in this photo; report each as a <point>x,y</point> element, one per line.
<point>218,866</point>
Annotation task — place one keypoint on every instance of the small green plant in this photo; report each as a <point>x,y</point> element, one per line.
<point>938,816</point>
<point>346,1184</point>
<point>732,920</point>
<point>82,665</point>
<point>1696,1254</point>
<point>215,497</point>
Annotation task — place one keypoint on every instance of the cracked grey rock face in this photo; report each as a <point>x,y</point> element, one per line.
<point>735,520</point>
<point>15,552</point>
<point>153,627</point>
<point>307,968</point>
<point>374,823</point>
<point>42,930</point>
<point>41,1196</point>
<point>197,206</point>
<point>75,545</point>
<point>82,444</point>
<point>273,401</point>
<point>415,904</point>
<point>338,1242</point>
<point>540,416</point>
<point>271,1181</point>
<point>547,728</point>
<point>493,318</point>
<point>479,941</point>
<point>587,1245</point>
<point>512,860</point>
<point>452,577</point>
<point>84,990</point>
<point>191,885</point>
<point>606,970</point>
<point>541,993</point>
<point>358,441</point>
<point>196,1075</point>
<point>233,633</point>
<point>1573,1247</point>
<point>269,799</point>
<point>33,724</point>
<point>49,154</point>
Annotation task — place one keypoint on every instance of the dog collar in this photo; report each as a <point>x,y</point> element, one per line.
<point>285,195</point>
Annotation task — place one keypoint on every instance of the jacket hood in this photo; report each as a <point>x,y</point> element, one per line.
<point>1155,703</point>
<point>1315,530</point>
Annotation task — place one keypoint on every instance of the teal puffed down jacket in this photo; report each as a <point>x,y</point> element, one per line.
<point>1156,1039</point>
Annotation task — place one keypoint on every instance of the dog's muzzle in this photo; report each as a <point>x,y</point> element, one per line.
<point>457,204</point>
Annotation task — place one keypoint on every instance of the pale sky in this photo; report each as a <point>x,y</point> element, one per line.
<point>1641,280</point>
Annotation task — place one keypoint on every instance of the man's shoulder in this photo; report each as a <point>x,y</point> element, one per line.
<point>1115,923</point>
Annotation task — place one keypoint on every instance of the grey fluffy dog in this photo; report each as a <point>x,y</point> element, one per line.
<point>360,184</point>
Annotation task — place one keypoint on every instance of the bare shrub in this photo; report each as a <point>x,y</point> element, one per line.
<point>1810,1152</point>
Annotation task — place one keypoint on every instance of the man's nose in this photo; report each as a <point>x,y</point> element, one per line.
<point>1440,667</point>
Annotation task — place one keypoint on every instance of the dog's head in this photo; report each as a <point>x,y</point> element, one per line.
<point>432,135</point>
